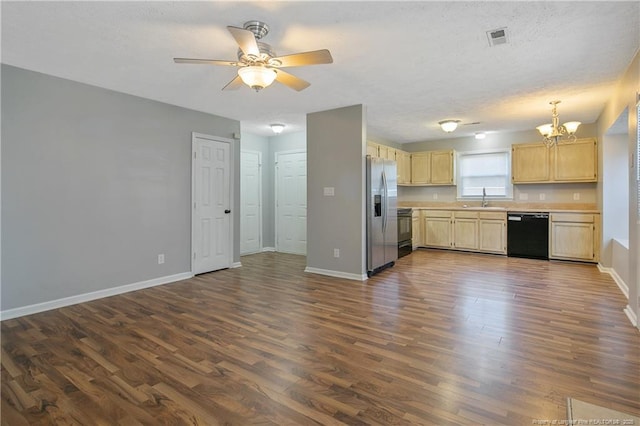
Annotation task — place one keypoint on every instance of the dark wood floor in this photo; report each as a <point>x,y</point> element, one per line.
<point>442,338</point>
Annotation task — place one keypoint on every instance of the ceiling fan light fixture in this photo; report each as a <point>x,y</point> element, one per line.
<point>257,77</point>
<point>448,125</point>
<point>277,128</point>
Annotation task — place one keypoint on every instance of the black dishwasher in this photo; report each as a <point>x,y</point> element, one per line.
<point>528,235</point>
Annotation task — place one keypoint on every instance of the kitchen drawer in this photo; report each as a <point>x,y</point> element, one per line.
<point>493,215</point>
<point>572,217</point>
<point>436,213</point>
<point>465,215</point>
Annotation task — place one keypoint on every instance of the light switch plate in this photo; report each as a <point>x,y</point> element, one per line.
<point>576,196</point>
<point>329,191</point>
<point>542,196</point>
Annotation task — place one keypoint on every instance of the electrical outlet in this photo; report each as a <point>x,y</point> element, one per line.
<point>576,196</point>
<point>160,259</point>
<point>435,196</point>
<point>336,253</point>
<point>523,196</point>
<point>542,196</point>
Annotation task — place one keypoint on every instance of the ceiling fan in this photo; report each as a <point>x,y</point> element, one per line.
<point>258,65</point>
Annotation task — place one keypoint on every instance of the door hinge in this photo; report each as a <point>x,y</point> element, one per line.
<point>195,154</point>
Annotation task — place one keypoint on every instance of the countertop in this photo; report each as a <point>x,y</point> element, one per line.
<point>578,208</point>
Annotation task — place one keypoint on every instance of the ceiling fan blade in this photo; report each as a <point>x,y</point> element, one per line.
<point>246,40</point>
<point>205,61</point>
<point>291,81</point>
<point>305,58</point>
<point>234,84</point>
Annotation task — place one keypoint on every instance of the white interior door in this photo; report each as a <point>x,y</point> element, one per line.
<point>291,202</point>
<point>250,202</point>
<point>212,221</point>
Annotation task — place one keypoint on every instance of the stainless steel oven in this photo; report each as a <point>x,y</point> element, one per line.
<point>405,245</point>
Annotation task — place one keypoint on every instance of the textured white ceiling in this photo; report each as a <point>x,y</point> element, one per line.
<point>411,64</point>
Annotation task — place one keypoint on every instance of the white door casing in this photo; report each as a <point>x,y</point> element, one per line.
<point>291,202</point>
<point>212,221</point>
<point>250,202</point>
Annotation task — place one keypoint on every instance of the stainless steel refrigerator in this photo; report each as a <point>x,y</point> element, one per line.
<point>382,217</point>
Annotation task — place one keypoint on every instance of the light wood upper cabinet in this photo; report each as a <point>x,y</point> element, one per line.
<point>566,162</point>
<point>574,236</point>
<point>576,161</point>
<point>372,149</point>
<point>421,168</point>
<point>530,163</point>
<point>404,167</point>
<point>442,171</point>
<point>433,168</point>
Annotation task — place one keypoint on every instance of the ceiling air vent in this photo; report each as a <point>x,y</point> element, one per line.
<point>498,36</point>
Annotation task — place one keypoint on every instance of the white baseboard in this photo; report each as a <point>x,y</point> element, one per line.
<point>337,274</point>
<point>619,281</point>
<point>268,249</point>
<point>87,297</point>
<point>631,315</point>
<point>236,265</point>
<point>624,288</point>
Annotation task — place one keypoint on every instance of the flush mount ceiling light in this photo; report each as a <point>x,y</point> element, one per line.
<point>480,135</point>
<point>277,128</point>
<point>257,77</point>
<point>449,125</point>
<point>553,132</point>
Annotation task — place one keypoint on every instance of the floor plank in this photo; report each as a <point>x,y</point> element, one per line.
<point>441,338</point>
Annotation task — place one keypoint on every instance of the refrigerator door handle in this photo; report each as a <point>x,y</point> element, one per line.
<point>384,202</point>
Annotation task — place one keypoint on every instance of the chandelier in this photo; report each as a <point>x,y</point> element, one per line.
<point>553,132</point>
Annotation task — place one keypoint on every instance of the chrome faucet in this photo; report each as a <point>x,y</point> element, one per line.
<point>485,203</point>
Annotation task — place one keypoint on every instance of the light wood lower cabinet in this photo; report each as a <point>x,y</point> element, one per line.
<point>416,229</point>
<point>493,232</point>
<point>437,230</point>
<point>574,236</point>
<point>470,230</point>
<point>465,230</point>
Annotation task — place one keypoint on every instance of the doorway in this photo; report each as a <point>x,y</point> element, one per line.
<point>291,201</point>
<point>250,202</point>
<point>211,220</point>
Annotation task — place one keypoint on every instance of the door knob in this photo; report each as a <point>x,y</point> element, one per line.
<point>227,211</point>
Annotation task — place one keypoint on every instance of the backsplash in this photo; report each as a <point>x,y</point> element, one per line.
<point>527,195</point>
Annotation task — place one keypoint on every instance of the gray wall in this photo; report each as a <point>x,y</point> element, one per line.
<point>335,153</point>
<point>553,193</point>
<point>626,97</point>
<point>615,194</point>
<point>95,184</point>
